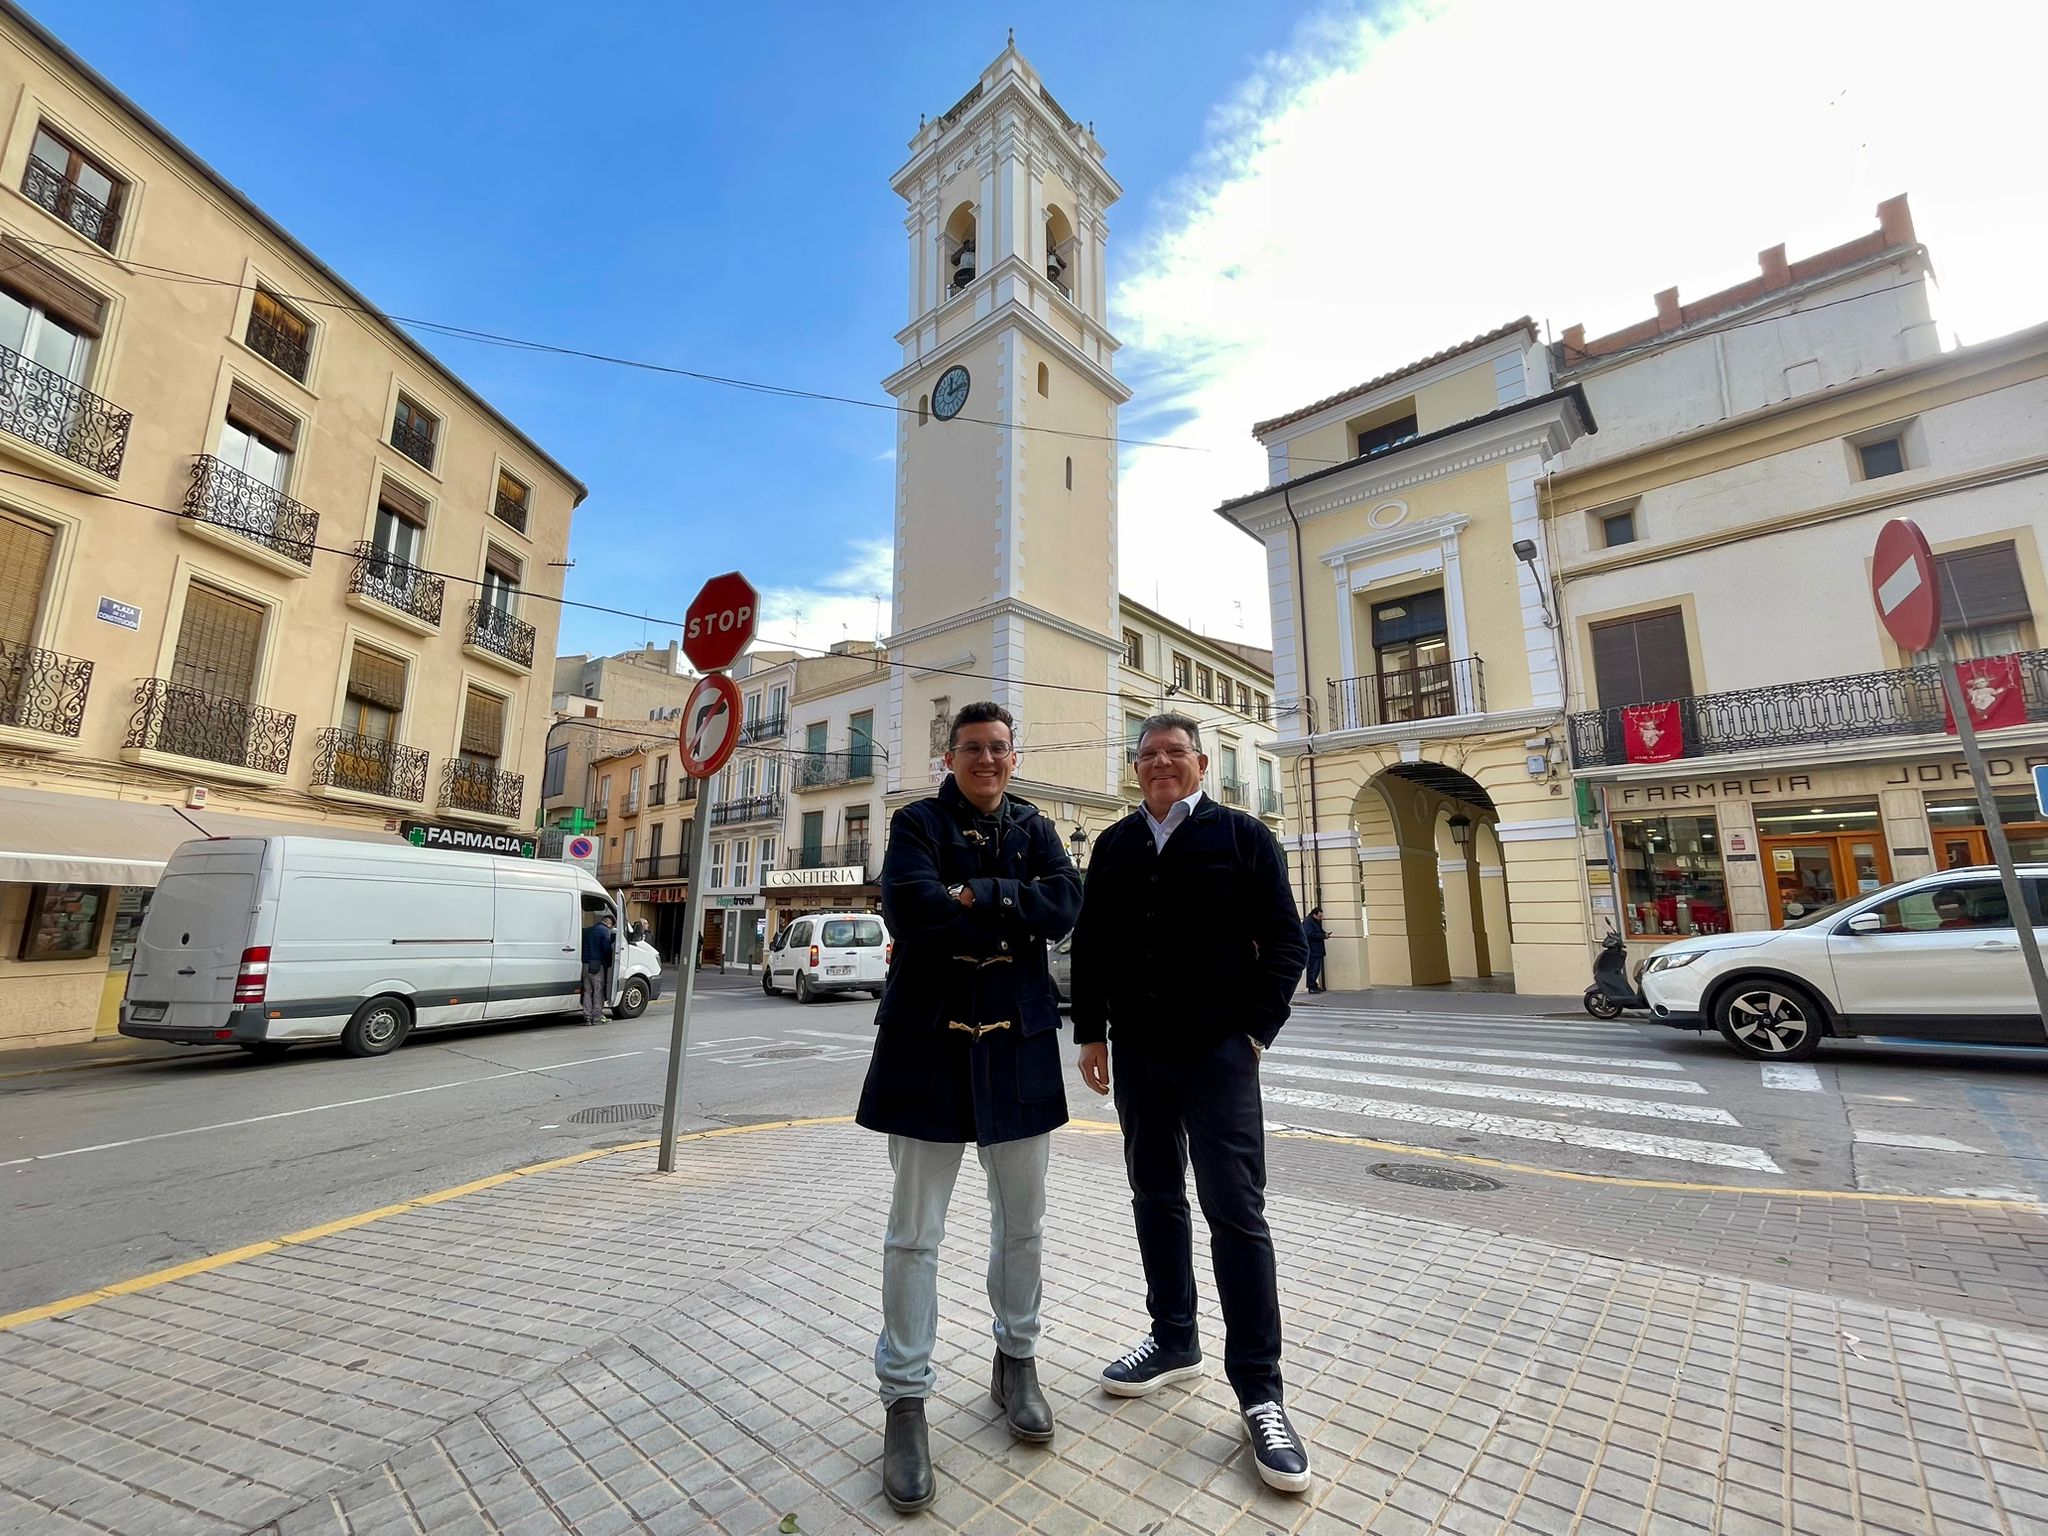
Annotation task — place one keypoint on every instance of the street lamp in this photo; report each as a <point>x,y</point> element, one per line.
<point>1461,830</point>
<point>1077,844</point>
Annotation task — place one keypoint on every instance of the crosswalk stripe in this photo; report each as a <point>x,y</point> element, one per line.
<point>1912,1141</point>
<point>1511,1021</point>
<point>1492,1069</point>
<point>1696,1114</point>
<point>1633,1063</point>
<point>1596,1137</point>
<point>833,1034</point>
<point>1796,1076</point>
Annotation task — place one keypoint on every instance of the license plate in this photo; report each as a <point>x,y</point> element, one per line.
<point>145,1013</point>
<point>838,970</point>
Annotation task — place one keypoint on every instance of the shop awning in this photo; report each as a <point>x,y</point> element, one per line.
<point>90,840</point>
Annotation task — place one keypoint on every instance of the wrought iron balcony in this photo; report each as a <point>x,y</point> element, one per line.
<point>42,691</point>
<point>823,770</point>
<point>1864,705</point>
<point>369,765</point>
<point>764,728</point>
<point>1235,791</point>
<point>481,789</point>
<point>612,874</point>
<point>290,349</point>
<point>41,406</point>
<point>225,497</point>
<point>1269,802</point>
<point>415,443</point>
<point>47,186</point>
<point>187,723</point>
<point>663,866</point>
<point>1399,698</point>
<point>510,511</point>
<point>632,805</point>
<point>396,584</point>
<point>753,808</point>
<point>688,789</point>
<point>603,813</point>
<point>847,855</point>
<point>657,795</point>
<point>493,629</point>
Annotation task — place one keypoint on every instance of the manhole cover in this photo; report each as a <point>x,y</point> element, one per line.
<point>613,1114</point>
<point>1425,1176</point>
<point>785,1052</point>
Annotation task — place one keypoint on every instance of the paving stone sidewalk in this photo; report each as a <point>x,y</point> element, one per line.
<point>598,1349</point>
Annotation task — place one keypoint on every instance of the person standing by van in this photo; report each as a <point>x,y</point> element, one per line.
<point>599,945</point>
<point>974,886</point>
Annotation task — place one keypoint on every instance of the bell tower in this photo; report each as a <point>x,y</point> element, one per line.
<point>1006,538</point>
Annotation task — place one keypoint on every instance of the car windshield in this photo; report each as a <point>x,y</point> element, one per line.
<point>1814,915</point>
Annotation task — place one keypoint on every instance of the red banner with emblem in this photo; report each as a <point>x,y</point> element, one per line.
<point>1651,732</point>
<point>1991,692</point>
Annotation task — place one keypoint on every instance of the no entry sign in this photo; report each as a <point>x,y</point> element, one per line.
<point>711,726</point>
<point>1902,584</point>
<point>720,621</point>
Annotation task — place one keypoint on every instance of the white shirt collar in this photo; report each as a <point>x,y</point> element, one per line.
<point>1177,813</point>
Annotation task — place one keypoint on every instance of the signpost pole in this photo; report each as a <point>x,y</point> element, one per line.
<point>1994,830</point>
<point>686,985</point>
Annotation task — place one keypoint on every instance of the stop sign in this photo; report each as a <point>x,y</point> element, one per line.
<point>720,621</point>
<point>1902,583</point>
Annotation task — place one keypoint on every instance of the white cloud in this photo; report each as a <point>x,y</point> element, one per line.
<point>1394,183</point>
<point>841,606</point>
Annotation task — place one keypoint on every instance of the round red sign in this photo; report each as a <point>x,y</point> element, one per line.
<point>1903,585</point>
<point>720,621</point>
<point>711,725</point>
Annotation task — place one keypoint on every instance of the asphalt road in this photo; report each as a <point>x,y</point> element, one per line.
<point>123,1158</point>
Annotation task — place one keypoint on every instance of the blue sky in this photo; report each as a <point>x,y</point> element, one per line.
<point>1313,194</point>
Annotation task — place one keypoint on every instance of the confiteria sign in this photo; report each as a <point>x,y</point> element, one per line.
<point>850,874</point>
<point>1827,781</point>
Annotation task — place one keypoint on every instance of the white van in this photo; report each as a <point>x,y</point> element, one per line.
<point>828,952</point>
<point>269,942</point>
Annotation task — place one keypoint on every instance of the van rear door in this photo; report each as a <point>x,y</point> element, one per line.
<point>199,922</point>
<point>871,946</point>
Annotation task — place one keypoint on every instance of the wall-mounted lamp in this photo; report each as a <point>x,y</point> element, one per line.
<point>1525,551</point>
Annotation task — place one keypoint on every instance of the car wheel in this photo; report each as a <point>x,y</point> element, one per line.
<point>1769,1020</point>
<point>264,1050</point>
<point>378,1027</point>
<point>875,993</point>
<point>804,994</point>
<point>632,999</point>
<point>767,981</point>
<point>1600,1005</point>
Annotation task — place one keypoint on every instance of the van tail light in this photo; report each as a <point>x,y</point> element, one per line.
<point>889,953</point>
<point>254,975</point>
<point>814,956</point>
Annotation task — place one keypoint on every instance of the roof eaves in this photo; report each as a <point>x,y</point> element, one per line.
<point>1526,324</point>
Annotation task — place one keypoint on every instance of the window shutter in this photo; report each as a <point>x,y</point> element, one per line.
<point>273,311</point>
<point>254,414</point>
<point>483,724</point>
<point>59,294</point>
<point>499,563</point>
<point>403,501</point>
<point>1641,660</point>
<point>25,550</point>
<point>219,639</point>
<point>376,678</point>
<point>1982,586</point>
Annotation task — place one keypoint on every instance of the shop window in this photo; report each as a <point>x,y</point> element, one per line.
<point>1672,878</point>
<point>1641,659</point>
<point>63,922</point>
<point>1958,827</point>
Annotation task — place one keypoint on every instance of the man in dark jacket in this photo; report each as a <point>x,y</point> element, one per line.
<point>1318,939</point>
<point>1185,956</point>
<point>974,885</point>
<point>599,945</point>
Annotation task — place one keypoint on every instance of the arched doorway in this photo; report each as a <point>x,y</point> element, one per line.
<point>1425,839</point>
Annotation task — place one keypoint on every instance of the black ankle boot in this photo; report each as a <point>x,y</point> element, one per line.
<point>1014,1386</point>
<point>907,1457</point>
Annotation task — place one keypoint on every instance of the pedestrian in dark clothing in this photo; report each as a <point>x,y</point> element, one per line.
<point>599,945</point>
<point>975,884</point>
<point>1185,956</point>
<point>1318,939</point>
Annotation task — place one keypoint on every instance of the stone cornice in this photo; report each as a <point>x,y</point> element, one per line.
<point>1077,149</point>
<point>1478,727</point>
<point>1407,384</point>
<point>1008,312</point>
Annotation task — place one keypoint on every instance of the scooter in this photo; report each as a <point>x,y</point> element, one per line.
<point>1612,993</point>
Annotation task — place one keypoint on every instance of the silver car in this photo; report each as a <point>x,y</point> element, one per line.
<point>1059,960</point>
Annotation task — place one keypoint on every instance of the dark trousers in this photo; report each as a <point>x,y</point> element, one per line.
<point>1315,970</point>
<point>1204,1108</point>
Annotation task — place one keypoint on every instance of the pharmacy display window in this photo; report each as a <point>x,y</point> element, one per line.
<point>1672,883</point>
<point>63,922</point>
<point>1958,827</point>
<point>1817,855</point>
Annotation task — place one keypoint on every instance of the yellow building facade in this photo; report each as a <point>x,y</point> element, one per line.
<point>263,561</point>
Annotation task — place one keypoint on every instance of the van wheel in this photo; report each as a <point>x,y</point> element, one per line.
<point>1769,1020</point>
<point>804,994</point>
<point>378,1027</point>
<point>767,981</point>
<point>632,999</point>
<point>264,1050</point>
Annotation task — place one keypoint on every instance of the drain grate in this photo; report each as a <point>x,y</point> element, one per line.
<point>785,1052</point>
<point>614,1114</point>
<point>1426,1176</point>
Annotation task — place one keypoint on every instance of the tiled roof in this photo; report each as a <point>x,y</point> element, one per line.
<point>1525,324</point>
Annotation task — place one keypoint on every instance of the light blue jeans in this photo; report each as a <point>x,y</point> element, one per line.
<point>925,1172</point>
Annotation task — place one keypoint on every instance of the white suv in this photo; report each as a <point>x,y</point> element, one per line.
<point>828,952</point>
<point>1933,959</point>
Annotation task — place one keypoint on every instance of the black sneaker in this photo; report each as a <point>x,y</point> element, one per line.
<point>1281,1456</point>
<point>1148,1368</point>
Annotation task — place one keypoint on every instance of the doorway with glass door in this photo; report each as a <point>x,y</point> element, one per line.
<point>1412,653</point>
<point>1817,855</point>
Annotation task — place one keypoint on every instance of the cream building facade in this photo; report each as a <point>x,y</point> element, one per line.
<point>263,561</point>
<point>831,847</point>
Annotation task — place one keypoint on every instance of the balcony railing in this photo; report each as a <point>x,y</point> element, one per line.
<point>1903,702</point>
<point>632,803</point>
<point>396,584</point>
<point>43,407</point>
<point>414,442</point>
<point>493,629</point>
<point>481,789</point>
<point>687,789</point>
<point>226,498</point>
<point>42,691</point>
<point>657,795</point>
<point>1418,693</point>
<point>369,765</point>
<point>1269,802</point>
<point>44,184</point>
<point>845,855</point>
<point>764,728</point>
<point>1235,791</point>
<point>187,723</point>
<point>510,510</point>
<point>822,770</point>
<point>753,808</point>
<point>662,866</point>
<point>603,813</point>
<point>289,349</point>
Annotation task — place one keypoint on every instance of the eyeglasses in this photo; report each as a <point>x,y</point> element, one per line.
<point>1163,755</point>
<point>974,751</point>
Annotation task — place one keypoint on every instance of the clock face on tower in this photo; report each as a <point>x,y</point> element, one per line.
<point>951,393</point>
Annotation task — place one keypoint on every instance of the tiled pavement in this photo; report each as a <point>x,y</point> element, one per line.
<point>597,1349</point>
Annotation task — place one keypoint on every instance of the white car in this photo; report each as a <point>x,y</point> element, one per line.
<point>1931,959</point>
<point>828,952</point>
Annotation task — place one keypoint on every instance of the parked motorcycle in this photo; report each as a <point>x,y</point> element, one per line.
<point>1612,992</point>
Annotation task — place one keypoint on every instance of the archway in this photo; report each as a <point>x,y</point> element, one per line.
<point>959,248</point>
<point>1419,828</point>
<point>1059,248</point>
